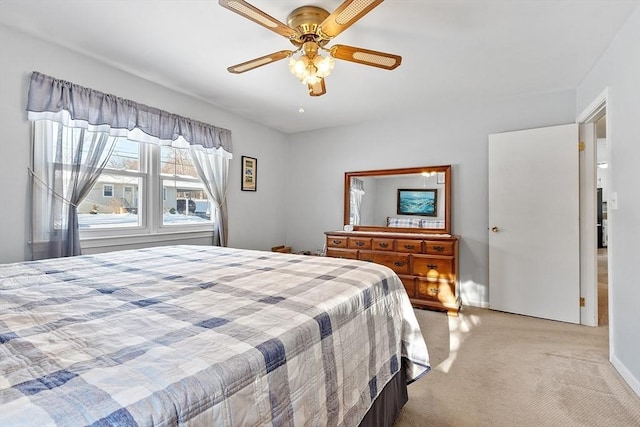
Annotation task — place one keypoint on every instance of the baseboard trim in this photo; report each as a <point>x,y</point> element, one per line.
<point>480,304</point>
<point>633,382</point>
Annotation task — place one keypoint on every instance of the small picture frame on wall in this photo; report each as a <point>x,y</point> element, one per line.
<point>249,173</point>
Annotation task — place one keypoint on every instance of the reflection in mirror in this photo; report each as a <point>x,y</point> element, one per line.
<point>412,199</point>
<point>357,191</point>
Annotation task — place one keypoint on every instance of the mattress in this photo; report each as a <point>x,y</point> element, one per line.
<point>195,335</point>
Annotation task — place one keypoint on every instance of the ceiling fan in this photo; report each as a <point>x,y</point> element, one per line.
<point>309,29</point>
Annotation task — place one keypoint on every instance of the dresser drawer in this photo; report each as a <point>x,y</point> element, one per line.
<point>382,244</point>
<point>358,243</point>
<point>336,242</point>
<point>342,253</point>
<point>409,246</point>
<point>437,268</point>
<point>435,247</point>
<point>397,262</point>
<point>435,290</point>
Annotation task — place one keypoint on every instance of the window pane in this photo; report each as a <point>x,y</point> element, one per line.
<point>185,203</point>
<point>125,156</point>
<point>176,162</point>
<point>107,190</point>
<point>121,209</point>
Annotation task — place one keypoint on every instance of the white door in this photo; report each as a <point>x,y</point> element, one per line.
<point>534,248</point>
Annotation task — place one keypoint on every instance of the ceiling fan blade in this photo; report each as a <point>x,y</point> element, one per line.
<point>318,88</point>
<point>388,61</point>
<point>256,15</point>
<point>259,62</point>
<point>345,15</point>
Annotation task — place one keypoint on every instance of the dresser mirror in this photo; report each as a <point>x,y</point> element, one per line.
<point>416,200</point>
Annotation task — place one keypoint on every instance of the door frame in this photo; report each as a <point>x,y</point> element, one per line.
<point>588,219</point>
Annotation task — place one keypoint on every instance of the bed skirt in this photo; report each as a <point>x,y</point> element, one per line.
<point>387,406</point>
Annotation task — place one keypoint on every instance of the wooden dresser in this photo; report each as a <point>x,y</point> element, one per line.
<point>427,264</point>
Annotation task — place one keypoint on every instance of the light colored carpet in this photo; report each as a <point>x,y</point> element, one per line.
<point>497,369</point>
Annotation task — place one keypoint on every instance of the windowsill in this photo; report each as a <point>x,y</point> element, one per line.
<point>143,239</point>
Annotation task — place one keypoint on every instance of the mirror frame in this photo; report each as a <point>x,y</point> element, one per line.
<point>403,171</point>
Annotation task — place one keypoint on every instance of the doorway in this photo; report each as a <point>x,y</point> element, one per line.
<point>602,189</point>
<point>595,247</point>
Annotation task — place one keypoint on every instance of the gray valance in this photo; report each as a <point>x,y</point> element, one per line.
<point>74,105</point>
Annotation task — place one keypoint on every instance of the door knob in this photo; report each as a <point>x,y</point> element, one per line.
<point>495,229</point>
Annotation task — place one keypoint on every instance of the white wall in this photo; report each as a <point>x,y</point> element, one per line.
<point>257,217</point>
<point>619,70</point>
<point>453,134</point>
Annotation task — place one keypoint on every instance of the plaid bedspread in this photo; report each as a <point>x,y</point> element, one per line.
<point>193,335</point>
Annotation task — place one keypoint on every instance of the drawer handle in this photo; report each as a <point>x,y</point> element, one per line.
<point>439,248</point>
<point>384,245</point>
<point>368,260</point>
<point>336,242</point>
<point>408,246</point>
<point>432,266</point>
<point>359,243</point>
<point>398,263</point>
<point>434,291</point>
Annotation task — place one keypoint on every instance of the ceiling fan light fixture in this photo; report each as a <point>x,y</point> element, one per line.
<point>310,71</point>
<point>298,66</point>
<point>324,65</point>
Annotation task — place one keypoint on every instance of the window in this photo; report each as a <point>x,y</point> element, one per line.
<point>129,197</point>
<point>107,190</point>
<point>185,199</point>
<point>121,180</point>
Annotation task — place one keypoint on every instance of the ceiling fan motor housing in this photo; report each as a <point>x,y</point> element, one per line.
<point>306,20</point>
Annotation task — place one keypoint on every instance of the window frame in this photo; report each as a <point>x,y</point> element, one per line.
<point>104,190</point>
<point>162,177</point>
<point>150,207</point>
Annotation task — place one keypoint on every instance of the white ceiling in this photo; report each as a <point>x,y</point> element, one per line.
<point>452,50</point>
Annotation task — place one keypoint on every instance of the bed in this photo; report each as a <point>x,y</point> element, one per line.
<point>405,222</point>
<point>195,335</point>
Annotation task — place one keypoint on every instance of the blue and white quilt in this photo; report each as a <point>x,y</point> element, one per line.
<point>194,335</point>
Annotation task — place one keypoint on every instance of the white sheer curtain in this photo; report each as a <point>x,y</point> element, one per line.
<point>66,163</point>
<point>104,117</point>
<point>357,191</point>
<point>213,169</point>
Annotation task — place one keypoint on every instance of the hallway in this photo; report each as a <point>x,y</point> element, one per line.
<point>603,288</point>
